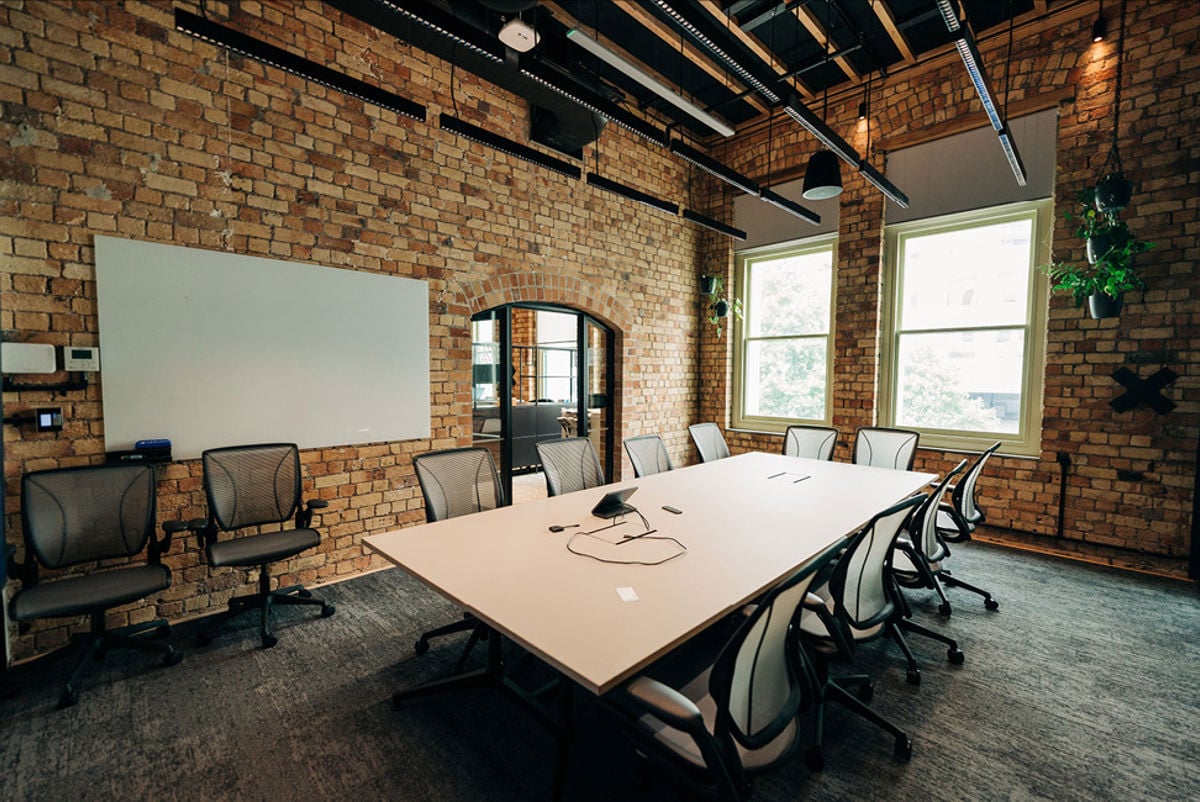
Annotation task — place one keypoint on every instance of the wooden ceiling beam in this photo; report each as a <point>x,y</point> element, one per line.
<point>810,22</point>
<point>777,66</point>
<point>884,15</point>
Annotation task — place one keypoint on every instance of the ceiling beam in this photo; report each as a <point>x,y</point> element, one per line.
<point>810,22</point>
<point>669,36</point>
<point>884,14</point>
<point>777,66</point>
<point>562,16</point>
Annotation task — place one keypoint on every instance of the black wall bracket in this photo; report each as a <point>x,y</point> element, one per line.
<point>79,382</point>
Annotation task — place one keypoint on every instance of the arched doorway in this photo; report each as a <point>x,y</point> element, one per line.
<point>539,372</point>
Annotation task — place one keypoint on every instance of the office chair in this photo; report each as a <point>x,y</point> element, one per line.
<point>569,464</point>
<point>74,516</point>
<point>885,448</point>
<point>828,638</point>
<point>737,714</point>
<point>957,520</point>
<point>252,486</point>
<point>814,442</point>
<point>709,441</point>
<point>648,455</point>
<point>458,481</point>
<point>862,593</point>
<point>920,551</point>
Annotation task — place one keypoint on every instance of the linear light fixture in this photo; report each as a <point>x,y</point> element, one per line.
<point>289,62</point>
<point>447,25</point>
<point>713,167</point>
<point>594,103</point>
<point>713,225</point>
<point>790,206</point>
<point>632,194</point>
<point>505,145</point>
<point>642,77</point>
<point>817,127</point>
<point>877,180</point>
<point>692,30</point>
<point>964,42</point>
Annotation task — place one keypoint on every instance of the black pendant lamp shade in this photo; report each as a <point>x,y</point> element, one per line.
<point>823,176</point>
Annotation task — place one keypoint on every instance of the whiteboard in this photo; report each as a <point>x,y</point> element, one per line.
<point>213,349</point>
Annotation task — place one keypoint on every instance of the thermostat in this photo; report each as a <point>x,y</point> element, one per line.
<point>48,419</point>
<point>77,358</point>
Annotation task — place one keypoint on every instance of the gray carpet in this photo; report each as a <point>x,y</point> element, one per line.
<point>1085,685</point>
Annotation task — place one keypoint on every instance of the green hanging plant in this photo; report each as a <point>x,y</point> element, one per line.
<point>720,306</point>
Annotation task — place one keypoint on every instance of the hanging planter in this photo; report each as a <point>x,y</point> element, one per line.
<point>720,307</point>
<point>1102,305</point>
<point>708,285</point>
<point>1098,244</point>
<point>1113,193</point>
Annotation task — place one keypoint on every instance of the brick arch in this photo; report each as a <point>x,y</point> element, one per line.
<point>548,287</point>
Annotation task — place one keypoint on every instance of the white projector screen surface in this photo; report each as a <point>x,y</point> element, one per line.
<point>212,349</point>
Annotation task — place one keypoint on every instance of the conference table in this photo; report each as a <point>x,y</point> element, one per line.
<point>598,604</point>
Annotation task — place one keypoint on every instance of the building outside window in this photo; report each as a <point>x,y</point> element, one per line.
<point>782,357</point>
<point>964,327</point>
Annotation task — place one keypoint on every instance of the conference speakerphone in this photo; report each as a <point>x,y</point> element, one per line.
<point>613,503</point>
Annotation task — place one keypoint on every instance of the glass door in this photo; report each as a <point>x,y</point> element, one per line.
<point>539,372</point>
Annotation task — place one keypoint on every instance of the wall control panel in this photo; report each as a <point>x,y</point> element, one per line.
<point>81,358</point>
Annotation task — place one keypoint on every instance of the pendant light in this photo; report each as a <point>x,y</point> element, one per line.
<point>823,175</point>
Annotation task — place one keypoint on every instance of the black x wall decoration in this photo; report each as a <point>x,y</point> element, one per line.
<point>1143,391</point>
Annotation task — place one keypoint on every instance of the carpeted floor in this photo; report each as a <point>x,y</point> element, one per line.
<point>1085,685</point>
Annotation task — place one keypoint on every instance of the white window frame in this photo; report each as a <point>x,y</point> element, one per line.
<point>745,261</point>
<point>1027,440</point>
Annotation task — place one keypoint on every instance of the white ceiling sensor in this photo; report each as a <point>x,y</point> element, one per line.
<point>519,36</point>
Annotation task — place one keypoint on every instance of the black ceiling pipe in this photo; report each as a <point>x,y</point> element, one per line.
<point>557,122</point>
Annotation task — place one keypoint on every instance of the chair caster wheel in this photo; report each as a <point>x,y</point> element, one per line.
<point>903,748</point>
<point>815,759</point>
<point>172,658</point>
<point>914,676</point>
<point>944,608</point>
<point>421,646</point>
<point>69,698</point>
<point>269,640</point>
<point>956,656</point>
<point>866,692</point>
<point>304,593</point>
<point>327,610</point>
<point>991,604</point>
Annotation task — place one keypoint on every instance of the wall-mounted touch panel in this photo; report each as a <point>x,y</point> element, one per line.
<point>211,349</point>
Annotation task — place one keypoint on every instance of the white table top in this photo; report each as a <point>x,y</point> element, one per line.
<point>743,531</point>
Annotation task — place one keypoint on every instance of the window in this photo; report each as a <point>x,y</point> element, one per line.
<point>782,347</point>
<point>964,328</point>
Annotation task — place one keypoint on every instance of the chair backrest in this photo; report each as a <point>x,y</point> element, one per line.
<point>922,527</point>
<point>252,485</point>
<point>458,481</point>
<point>648,454</point>
<point>569,464</point>
<point>815,442</point>
<point>861,584</point>
<point>760,679</point>
<point>76,515</point>
<point>885,448</point>
<point>964,491</point>
<point>709,441</point>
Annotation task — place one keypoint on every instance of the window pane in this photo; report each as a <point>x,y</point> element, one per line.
<point>969,381</point>
<point>786,378</point>
<point>790,296</point>
<point>970,277</point>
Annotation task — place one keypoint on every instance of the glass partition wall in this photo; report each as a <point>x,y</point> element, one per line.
<point>540,372</point>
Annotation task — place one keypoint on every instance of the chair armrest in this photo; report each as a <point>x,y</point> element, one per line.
<point>961,531</point>
<point>304,516</point>
<point>838,632</point>
<point>171,527</point>
<point>667,704</point>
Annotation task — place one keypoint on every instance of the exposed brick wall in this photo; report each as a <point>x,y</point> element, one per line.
<point>113,123</point>
<point>1161,154</point>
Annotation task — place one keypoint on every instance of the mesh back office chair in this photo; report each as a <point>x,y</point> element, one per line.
<point>739,713</point>
<point>709,441</point>
<point>863,595</point>
<point>253,486</point>
<point>957,520</point>
<point>814,442</point>
<point>458,481</point>
<point>919,549</point>
<point>74,516</point>
<point>831,612</point>
<point>648,455</point>
<point>569,464</point>
<point>885,448</point>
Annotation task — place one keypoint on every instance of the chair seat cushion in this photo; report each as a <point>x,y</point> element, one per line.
<point>814,628</point>
<point>84,594</point>
<point>264,548</point>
